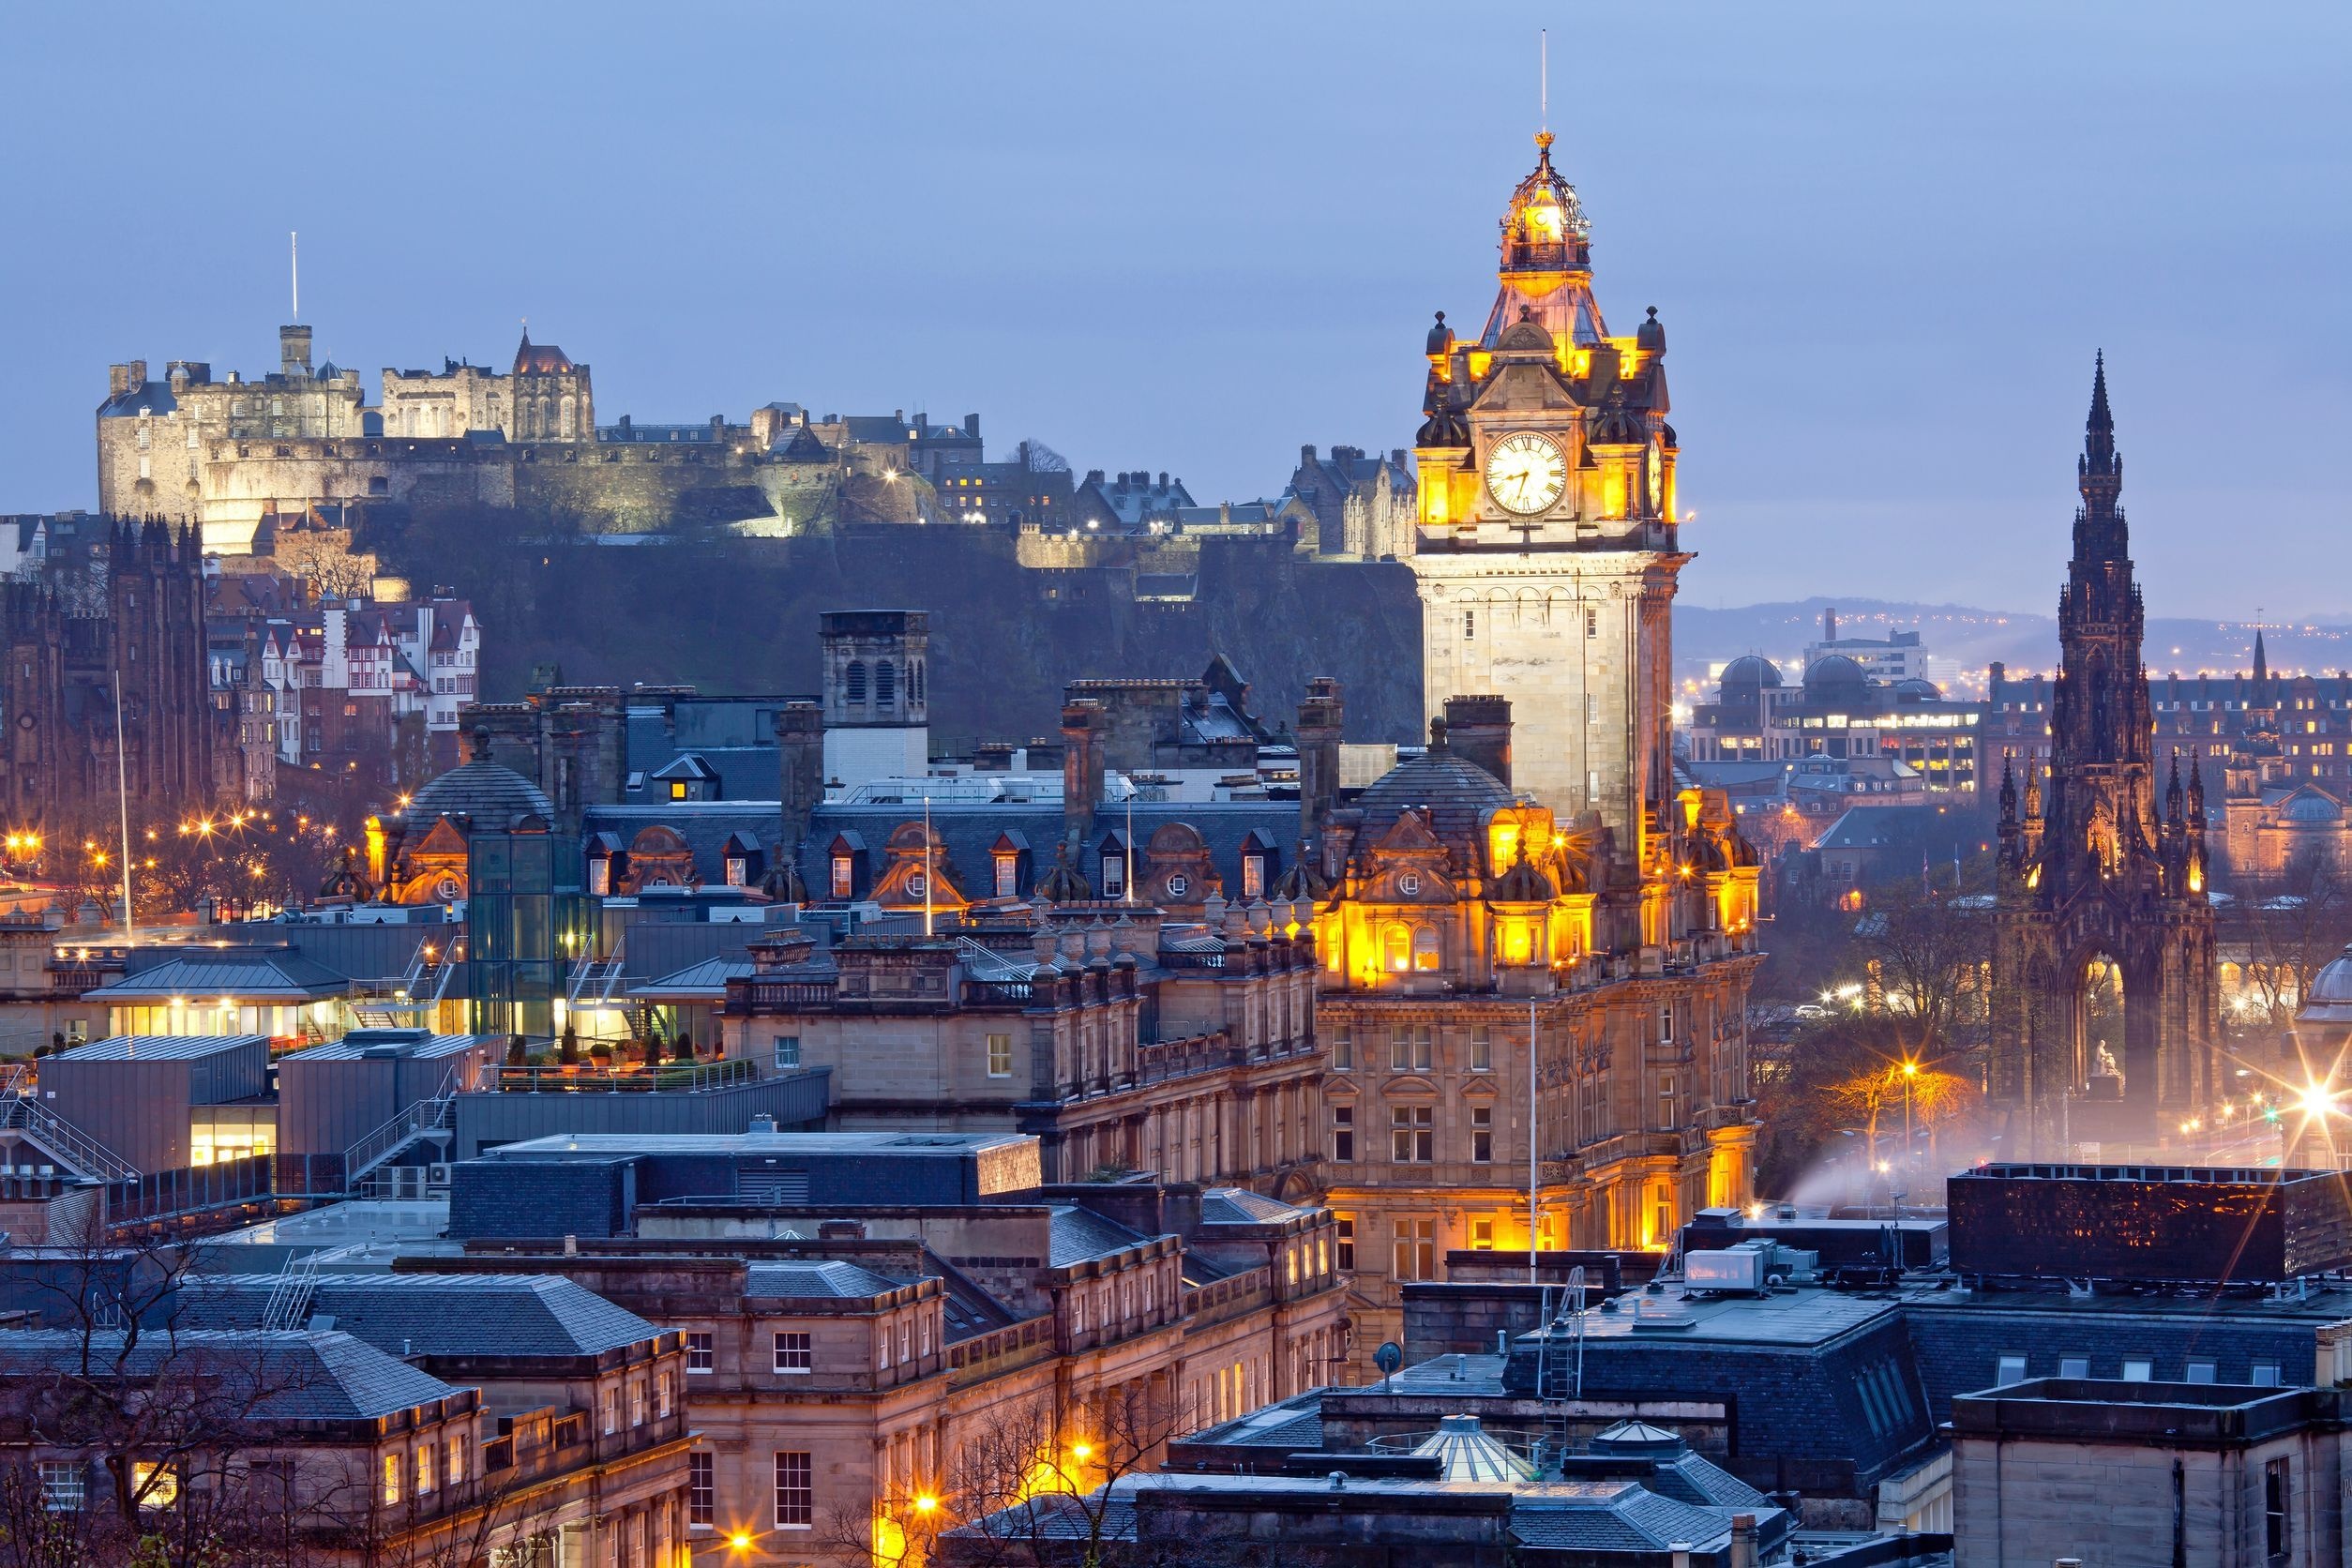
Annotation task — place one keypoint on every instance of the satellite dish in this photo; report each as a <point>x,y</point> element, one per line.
<point>1387,1358</point>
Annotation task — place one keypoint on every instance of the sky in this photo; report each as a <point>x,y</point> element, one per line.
<point>1885,240</point>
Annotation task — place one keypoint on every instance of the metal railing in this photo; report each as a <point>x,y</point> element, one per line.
<point>415,1120</point>
<point>22,1113</point>
<point>683,1079</point>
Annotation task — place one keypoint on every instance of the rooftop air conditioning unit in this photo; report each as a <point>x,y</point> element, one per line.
<point>1740,1267</point>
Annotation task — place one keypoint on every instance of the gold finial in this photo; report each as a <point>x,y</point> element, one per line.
<point>1543,142</point>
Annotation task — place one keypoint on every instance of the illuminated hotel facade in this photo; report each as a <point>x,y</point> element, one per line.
<point>1543,882</point>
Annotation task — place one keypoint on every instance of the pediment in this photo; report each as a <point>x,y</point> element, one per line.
<point>443,838</point>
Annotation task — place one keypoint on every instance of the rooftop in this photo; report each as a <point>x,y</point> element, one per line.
<point>298,1375</point>
<point>159,1048</point>
<point>432,1314</point>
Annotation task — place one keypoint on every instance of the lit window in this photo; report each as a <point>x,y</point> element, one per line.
<point>1000,1056</point>
<point>677,789</point>
<point>391,1477</point>
<point>1007,876</point>
<point>841,875</point>
<point>1482,1235</point>
<point>792,1352</point>
<point>1426,954</point>
<point>1253,876</point>
<point>424,1470</point>
<point>1114,877</point>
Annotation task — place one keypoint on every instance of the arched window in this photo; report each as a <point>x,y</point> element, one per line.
<point>1397,953</point>
<point>885,683</point>
<point>1425,954</point>
<point>853,682</point>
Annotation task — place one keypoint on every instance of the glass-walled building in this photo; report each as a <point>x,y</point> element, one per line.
<point>525,919</point>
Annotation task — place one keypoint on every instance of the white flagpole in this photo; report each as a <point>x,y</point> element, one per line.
<point>122,799</point>
<point>928,866</point>
<point>1130,877</point>
<point>1532,1170</point>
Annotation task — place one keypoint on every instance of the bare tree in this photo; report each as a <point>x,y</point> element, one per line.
<point>2290,926</point>
<point>1034,1482</point>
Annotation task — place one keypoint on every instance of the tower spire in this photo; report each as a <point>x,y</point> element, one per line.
<point>2101,471</point>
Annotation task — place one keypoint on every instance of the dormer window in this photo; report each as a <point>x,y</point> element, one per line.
<point>841,875</point>
<point>738,871</point>
<point>677,789</point>
<point>1114,877</point>
<point>600,877</point>
<point>1253,876</point>
<point>1007,875</point>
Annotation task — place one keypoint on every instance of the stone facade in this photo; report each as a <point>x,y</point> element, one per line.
<point>2141,1475</point>
<point>138,618</point>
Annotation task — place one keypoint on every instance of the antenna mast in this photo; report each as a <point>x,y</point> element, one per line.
<point>293,265</point>
<point>1543,78</point>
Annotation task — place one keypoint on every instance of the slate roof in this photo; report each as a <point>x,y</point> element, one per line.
<point>1458,793</point>
<point>494,793</point>
<point>298,1375</point>
<point>1605,1516</point>
<point>705,826</point>
<point>1079,1234</point>
<point>846,1281</point>
<point>968,835</point>
<point>154,396</point>
<point>1241,1206</point>
<point>433,1315</point>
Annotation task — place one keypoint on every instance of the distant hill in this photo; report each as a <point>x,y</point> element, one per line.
<point>1975,637</point>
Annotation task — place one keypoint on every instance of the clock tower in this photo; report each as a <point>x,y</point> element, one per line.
<point>1546,550</point>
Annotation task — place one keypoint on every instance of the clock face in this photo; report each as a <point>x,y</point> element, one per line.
<point>1526,472</point>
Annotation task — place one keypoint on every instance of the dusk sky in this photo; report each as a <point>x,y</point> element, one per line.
<point>1885,241</point>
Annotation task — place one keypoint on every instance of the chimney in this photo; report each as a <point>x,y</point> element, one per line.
<point>1319,732</point>
<point>1082,724</point>
<point>1477,729</point>
<point>1306,456</point>
<point>117,380</point>
<point>972,426</point>
<point>800,731</point>
<point>1742,1551</point>
<point>1829,625</point>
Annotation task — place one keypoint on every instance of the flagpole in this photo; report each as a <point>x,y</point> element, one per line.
<point>928,866</point>
<point>122,799</point>
<point>1531,1176</point>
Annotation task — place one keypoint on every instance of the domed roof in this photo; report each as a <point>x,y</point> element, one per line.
<point>1751,669</point>
<point>490,792</point>
<point>2332,985</point>
<point>1835,673</point>
<point>2311,807</point>
<point>1458,793</point>
<point>1917,690</point>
